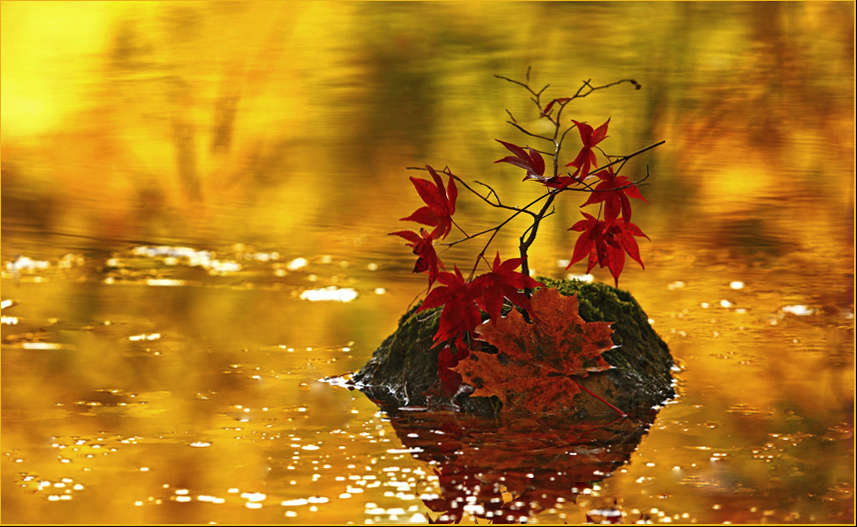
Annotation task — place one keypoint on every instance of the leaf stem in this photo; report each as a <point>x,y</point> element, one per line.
<point>587,390</point>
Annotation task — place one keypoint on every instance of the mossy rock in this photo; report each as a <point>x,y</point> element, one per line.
<point>403,370</point>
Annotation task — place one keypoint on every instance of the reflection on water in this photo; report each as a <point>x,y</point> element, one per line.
<point>195,206</point>
<point>509,471</point>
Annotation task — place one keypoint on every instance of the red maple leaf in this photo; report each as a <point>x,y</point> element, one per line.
<point>606,244</point>
<point>535,362</point>
<point>423,247</point>
<point>460,314</point>
<point>532,162</point>
<point>614,191</point>
<point>440,204</point>
<point>555,101</point>
<point>586,157</point>
<point>501,283</point>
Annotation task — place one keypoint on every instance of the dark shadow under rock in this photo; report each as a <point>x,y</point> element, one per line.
<point>403,370</point>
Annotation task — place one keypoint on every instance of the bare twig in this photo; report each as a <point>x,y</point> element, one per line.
<point>524,130</point>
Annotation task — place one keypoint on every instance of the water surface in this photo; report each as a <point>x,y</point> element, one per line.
<point>195,206</point>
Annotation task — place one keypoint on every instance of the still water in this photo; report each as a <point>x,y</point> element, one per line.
<point>195,206</point>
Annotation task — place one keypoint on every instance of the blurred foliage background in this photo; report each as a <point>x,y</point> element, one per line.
<point>156,121</point>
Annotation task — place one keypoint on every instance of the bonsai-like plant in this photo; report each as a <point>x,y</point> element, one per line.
<point>564,347</point>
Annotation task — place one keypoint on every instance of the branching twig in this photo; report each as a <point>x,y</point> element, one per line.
<point>529,234</point>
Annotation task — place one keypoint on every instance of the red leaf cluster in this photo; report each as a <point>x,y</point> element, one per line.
<point>463,303</point>
<point>462,300</point>
<point>606,243</point>
<point>460,314</point>
<point>437,213</point>
<point>501,283</point>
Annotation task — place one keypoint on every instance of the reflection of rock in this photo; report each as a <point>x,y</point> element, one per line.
<point>505,470</point>
<point>403,370</point>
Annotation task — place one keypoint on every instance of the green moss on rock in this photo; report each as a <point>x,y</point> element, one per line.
<point>403,369</point>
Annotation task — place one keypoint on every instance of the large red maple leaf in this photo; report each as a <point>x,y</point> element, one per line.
<point>440,204</point>
<point>534,369</point>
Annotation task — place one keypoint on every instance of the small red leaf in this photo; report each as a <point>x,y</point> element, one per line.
<point>555,101</point>
<point>440,203</point>
<point>532,162</point>
<point>590,138</point>
<point>423,247</point>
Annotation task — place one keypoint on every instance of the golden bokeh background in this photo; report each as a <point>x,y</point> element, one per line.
<point>270,140</point>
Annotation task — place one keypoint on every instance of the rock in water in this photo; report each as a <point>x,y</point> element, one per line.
<point>403,370</point>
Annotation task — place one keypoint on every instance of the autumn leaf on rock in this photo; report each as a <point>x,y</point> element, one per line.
<point>530,374</point>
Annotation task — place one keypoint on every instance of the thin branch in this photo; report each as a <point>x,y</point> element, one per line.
<point>499,204</point>
<point>524,210</point>
<point>481,255</point>
<point>524,130</point>
<point>519,83</point>
<point>490,191</point>
<point>624,158</point>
